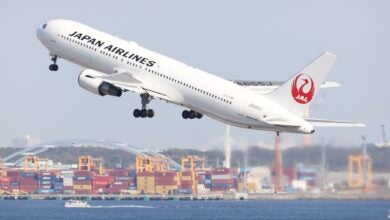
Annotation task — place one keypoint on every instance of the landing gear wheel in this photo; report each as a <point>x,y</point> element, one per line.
<point>143,113</point>
<point>150,113</point>
<point>191,114</point>
<point>53,67</point>
<point>184,114</point>
<point>136,113</point>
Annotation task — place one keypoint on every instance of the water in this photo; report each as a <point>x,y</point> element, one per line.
<point>199,210</point>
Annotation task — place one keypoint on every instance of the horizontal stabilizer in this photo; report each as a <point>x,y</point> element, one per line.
<point>316,122</point>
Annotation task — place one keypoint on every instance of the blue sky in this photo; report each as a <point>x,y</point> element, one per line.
<point>249,40</point>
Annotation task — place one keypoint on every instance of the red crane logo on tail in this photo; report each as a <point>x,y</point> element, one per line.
<point>302,89</point>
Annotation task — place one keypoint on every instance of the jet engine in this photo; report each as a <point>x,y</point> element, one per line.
<point>97,86</point>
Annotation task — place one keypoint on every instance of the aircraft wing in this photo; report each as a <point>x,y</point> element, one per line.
<point>129,82</point>
<point>264,87</point>
<point>316,122</point>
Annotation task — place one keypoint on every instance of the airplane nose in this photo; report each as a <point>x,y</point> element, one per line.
<point>39,33</point>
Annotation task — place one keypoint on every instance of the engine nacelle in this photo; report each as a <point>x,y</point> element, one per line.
<point>97,86</point>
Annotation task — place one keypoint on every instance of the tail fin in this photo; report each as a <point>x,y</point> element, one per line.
<point>298,92</point>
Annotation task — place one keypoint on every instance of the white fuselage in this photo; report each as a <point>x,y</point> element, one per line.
<point>187,86</point>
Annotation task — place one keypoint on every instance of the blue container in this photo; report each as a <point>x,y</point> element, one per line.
<point>47,178</point>
<point>58,188</point>
<point>132,174</point>
<point>81,178</point>
<point>58,191</point>
<point>45,182</point>
<point>45,191</point>
<point>119,178</point>
<point>221,185</point>
<point>15,183</point>
<point>28,174</point>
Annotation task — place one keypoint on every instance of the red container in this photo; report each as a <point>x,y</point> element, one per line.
<point>14,179</point>
<point>43,173</point>
<point>166,174</point>
<point>83,191</point>
<point>28,189</point>
<point>166,182</point>
<point>220,171</point>
<point>101,180</point>
<point>68,187</point>
<point>118,172</point>
<point>112,191</point>
<point>28,182</point>
<point>186,173</point>
<point>82,182</point>
<point>83,173</point>
<point>145,174</point>
<point>13,173</point>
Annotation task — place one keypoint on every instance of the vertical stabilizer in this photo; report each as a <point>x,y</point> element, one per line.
<point>298,92</point>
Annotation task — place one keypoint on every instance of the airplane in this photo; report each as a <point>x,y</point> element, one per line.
<point>113,66</point>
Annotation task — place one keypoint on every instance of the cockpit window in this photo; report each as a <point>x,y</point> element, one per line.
<point>44,25</point>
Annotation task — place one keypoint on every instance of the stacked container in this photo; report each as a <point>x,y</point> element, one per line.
<point>100,183</point>
<point>59,186</point>
<point>13,180</point>
<point>46,182</point>
<point>188,182</point>
<point>146,183</point>
<point>82,182</point>
<point>207,180</point>
<point>307,174</point>
<point>67,177</point>
<point>221,180</point>
<point>28,182</point>
<point>167,182</point>
<point>133,177</point>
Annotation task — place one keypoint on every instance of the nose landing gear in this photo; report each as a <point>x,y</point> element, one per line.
<point>54,66</point>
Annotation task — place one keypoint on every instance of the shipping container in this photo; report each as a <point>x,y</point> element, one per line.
<point>68,182</point>
<point>118,172</point>
<point>82,182</point>
<point>221,177</point>
<point>47,174</point>
<point>82,191</point>
<point>145,174</point>
<point>13,173</point>
<point>29,174</point>
<point>82,187</point>
<point>67,191</point>
<point>45,191</point>
<point>182,191</point>
<point>82,178</point>
<point>84,173</point>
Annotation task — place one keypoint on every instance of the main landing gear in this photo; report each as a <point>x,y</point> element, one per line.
<point>191,114</point>
<point>144,112</point>
<point>54,66</point>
